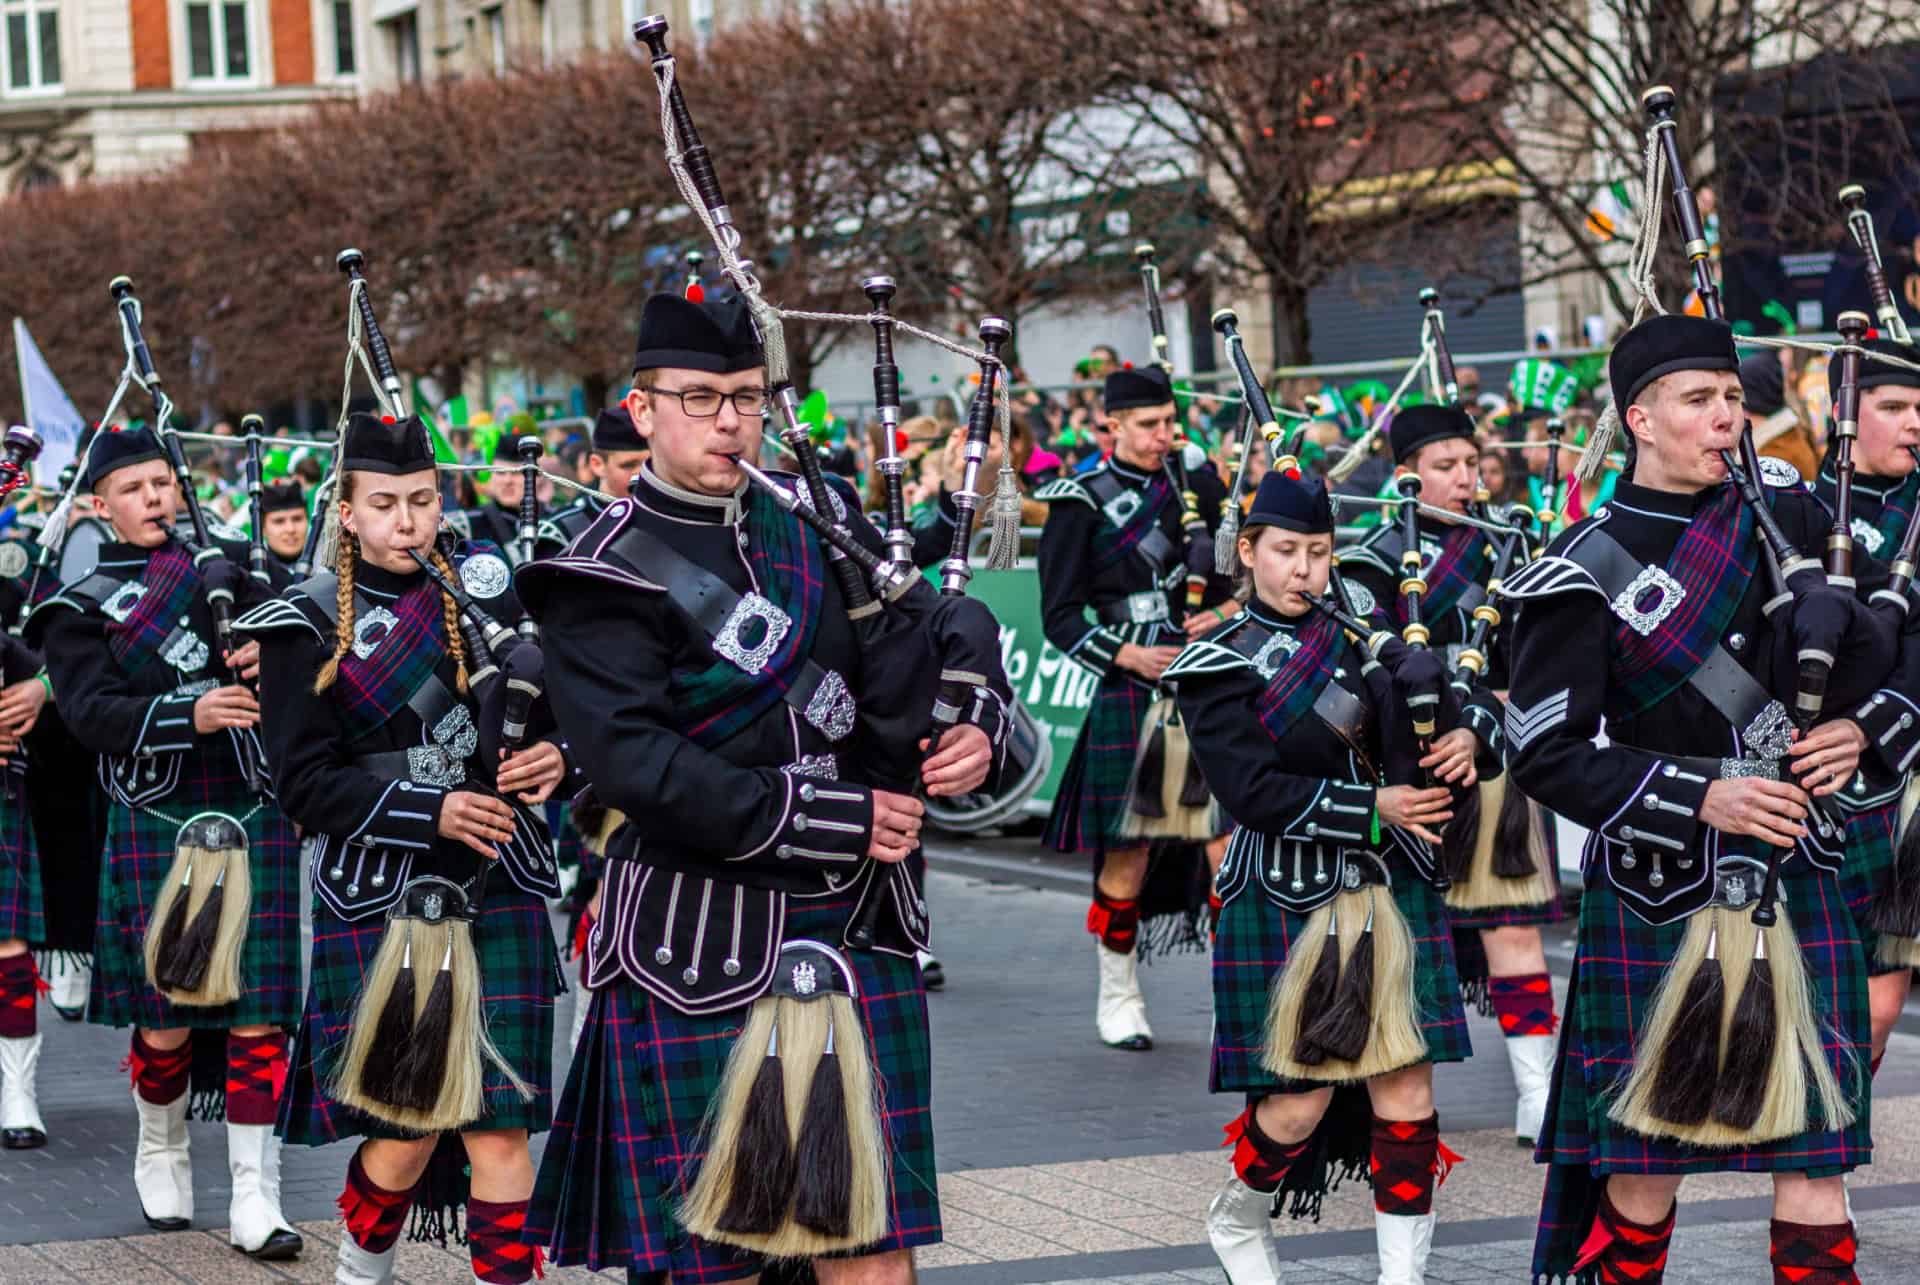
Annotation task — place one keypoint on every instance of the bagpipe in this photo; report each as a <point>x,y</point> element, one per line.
<point>1200,553</point>
<point>21,447</point>
<point>198,923</point>
<point>802,1172</point>
<point>253,429</point>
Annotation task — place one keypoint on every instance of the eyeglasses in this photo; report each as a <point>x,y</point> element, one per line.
<point>704,403</point>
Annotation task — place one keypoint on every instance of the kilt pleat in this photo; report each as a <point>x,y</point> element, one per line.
<point>1092,800</point>
<point>1618,964</point>
<point>628,1134</point>
<point>520,975</point>
<point>1871,845</point>
<point>21,906</point>
<point>1254,942</point>
<point>140,851</point>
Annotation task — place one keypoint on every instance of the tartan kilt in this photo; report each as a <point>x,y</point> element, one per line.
<point>1870,851</point>
<point>1091,803</point>
<point>629,1131</point>
<point>1618,963</point>
<point>20,895</point>
<point>520,975</point>
<point>140,851</point>
<point>1254,939</point>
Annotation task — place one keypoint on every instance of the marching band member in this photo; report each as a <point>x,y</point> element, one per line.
<point>428,1029</point>
<point>1333,978</point>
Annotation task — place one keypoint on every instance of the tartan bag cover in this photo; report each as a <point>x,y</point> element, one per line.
<point>1465,557</point>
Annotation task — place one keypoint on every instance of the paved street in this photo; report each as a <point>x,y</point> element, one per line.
<point>1060,1160</point>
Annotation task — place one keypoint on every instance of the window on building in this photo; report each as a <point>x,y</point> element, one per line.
<point>344,61</point>
<point>32,51</point>
<point>497,39</point>
<point>404,32</point>
<point>217,41</point>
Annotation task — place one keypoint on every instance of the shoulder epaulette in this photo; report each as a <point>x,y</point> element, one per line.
<point>1548,576</point>
<point>1205,656</point>
<point>1063,488</point>
<point>276,613</point>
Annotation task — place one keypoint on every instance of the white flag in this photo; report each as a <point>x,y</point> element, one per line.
<point>49,411</point>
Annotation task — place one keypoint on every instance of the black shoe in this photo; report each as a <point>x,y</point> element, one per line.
<point>1134,1044</point>
<point>932,976</point>
<point>167,1224</point>
<point>70,1014</point>
<point>22,1139</point>
<point>280,1247</point>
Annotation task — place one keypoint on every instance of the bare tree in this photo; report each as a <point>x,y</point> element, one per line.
<point>1780,103</point>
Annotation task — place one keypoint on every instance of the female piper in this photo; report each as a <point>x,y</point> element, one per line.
<point>1333,974</point>
<point>430,867</point>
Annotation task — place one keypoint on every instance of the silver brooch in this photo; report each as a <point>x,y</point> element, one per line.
<point>1280,644</point>
<point>1733,888</point>
<point>1349,876</point>
<point>1643,619</point>
<point>13,559</point>
<point>1780,473</point>
<point>1865,535</point>
<point>432,765</point>
<point>484,575</point>
<point>186,652</point>
<point>369,629</point>
<point>730,643</point>
<point>121,604</point>
<point>831,709</point>
<point>431,905</point>
<point>804,982</point>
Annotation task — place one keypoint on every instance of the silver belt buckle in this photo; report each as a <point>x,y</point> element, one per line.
<point>730,642</point>
<point>1147,607</point>
<point>1644,620</point>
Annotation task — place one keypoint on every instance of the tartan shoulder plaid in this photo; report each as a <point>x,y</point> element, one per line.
<point>786,559</point>
<point>1465,557</point>
<point>1113,542</point>
<point>1298,683</point>
<point>372,688</point>
<point>1712,563</point>
<point>1897,508</point>
<point>171,583</point>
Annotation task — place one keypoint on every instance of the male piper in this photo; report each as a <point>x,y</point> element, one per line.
<point>1649,615</point>
<point>1111,566</point>
<point>1502,876</point>
<point>618,451</point>
<point>1886,487</point>
<point>701,656</point>
<point>283,515</point>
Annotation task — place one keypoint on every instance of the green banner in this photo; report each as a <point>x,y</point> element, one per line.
<point>1054,689</point>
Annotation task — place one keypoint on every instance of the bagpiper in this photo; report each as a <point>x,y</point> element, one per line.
<point>1334,990</point>
<point>1499,853</point>
<point>1717,1011</point>
<point>428,1026</point>
<point>199,911</point>
<point>284,523</point>
<point>1132,797</point>
<point>753,1080</point>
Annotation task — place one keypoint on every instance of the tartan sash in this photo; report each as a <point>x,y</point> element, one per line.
<point>171,583</point>
<point>1892,522</point>
<point>786,559</point>
<point>1711,562</point>
<point>405,650</point>
<point>1465,557</point>
<point>1113,542</point>
<point>1297,683</point>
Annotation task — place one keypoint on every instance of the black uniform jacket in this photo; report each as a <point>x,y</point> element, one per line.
<point>138,715</point>
<point>718,835</point>
<point>1640,794</point>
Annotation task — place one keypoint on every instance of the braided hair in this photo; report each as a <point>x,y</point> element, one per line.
<point>344,560</point>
